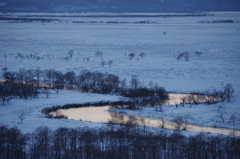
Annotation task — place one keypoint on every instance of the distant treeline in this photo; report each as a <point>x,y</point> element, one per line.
<point>115,142</point>
<point>32,20</point>
<point>117,22</point>
<point>27,19</point>
<point>219,21</point>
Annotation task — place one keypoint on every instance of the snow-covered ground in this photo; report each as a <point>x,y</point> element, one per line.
<point>219,63</point>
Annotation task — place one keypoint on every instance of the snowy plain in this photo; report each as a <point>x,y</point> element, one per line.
<point>219,63</point>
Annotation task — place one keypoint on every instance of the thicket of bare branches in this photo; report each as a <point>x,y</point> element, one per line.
<point>184,55</point>
<point>113,141</point>
<point>209,97</point>
<point>180,123</point>
<point>11,91</point>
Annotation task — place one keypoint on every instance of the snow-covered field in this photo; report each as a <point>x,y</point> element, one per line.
<point>219,63</point>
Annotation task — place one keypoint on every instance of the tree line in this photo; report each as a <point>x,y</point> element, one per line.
<point>88,81</point>
<point>113,141</point>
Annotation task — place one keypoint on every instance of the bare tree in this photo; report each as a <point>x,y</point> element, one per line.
<point>4,69</point>
<point>228,92</point>
<point>29,75</point>
<point>110,63</point>
<point>183,101</point>
<point>14,144</point>
<point>177,105</point>
<point>134,81</point>
<point>21,117</point>
<point>198,53</point>
<point>101,54</point>
<point>8,99</point>
<point>220,107</point>
<point>21,74</point>
<point>159,107</point>
<point>98,53</point>
<point>103,63</point>
<point>123,83</point>
<point>10,75</point>
<point>180,122</point>
<point>70,53</point>
<point>47,92</point>
<point>131,55</point>
<point>38,73</point>
<point>70,77</point>
<point>41,143</point>
<point>184,55</point>
<point>59,80</point>
<point>232,119</point>
<point>220,115</point>
<point>162,123</point>
<point>150,84</point>
<point>190,100</point>
<point>142,54</point>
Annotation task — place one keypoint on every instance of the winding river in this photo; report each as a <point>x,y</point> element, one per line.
<point>101,114</point>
